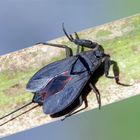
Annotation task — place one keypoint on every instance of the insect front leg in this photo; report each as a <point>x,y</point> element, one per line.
<point>78,46</point>
<point>81,43</point>
<point>70,37</point>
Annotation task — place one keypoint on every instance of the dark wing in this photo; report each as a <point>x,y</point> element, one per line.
<point>62,91</point>
<point>47,73</point>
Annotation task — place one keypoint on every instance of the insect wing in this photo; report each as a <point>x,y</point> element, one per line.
<point>47,73</point>
<point>64,97</point>
<point>36,84</point>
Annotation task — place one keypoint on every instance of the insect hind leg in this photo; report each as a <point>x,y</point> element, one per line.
<point>72,111</point>
<point>97,93</point>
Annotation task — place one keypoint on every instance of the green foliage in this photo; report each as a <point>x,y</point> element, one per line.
<point>103,33</point>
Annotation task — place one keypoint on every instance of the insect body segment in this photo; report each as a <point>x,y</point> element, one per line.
<point>60,92</point>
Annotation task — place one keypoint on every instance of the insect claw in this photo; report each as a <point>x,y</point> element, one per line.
<point>63,118</point>
<point>99,105</point>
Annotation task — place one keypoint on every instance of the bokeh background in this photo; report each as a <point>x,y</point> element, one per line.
<point>23,23</point>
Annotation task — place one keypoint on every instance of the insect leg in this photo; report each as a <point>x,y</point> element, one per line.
<point>68,50</point>
<point>97,93</point>
<point>116,73</point>
<point>18,115</point>
<point>72,111</point>
<point>70,37</point>
<point>16,110</point>
<point>106,65</point>
<point>78,46</point>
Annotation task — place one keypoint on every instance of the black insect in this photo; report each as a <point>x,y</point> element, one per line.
<point>57,85</point>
